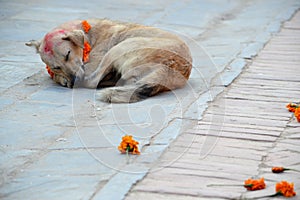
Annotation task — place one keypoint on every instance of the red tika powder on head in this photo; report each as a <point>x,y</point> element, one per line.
<point>48,46</point>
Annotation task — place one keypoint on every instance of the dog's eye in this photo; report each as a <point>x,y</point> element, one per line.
<point>56,68</point>
<point>67,56</point>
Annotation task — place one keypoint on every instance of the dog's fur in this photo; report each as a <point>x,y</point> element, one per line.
<point>128,61</point>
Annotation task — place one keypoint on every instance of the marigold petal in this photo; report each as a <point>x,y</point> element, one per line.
<point>277,169</point>
<point>285,188</point>
<point>252,184</point>
<point>291,107</point>
<point>49,71</point>
<point>86,52</point>
<point>297,114</point>
<point>129,144</point>
<point>85,26</point>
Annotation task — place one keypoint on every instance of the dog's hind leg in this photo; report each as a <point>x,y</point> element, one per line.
<point>125,94</point>
<point>160,79</point>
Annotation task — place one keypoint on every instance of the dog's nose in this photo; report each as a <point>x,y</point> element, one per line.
<point>73,79</point>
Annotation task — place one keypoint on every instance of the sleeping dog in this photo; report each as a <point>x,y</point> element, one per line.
<point>128,62</point>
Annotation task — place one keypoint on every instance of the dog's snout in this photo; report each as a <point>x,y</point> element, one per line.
<point>73,79</point>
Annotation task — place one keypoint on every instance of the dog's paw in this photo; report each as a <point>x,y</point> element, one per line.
<point>114,95</point>
<point>62,81</point>
<point>120,94</point>
<point>104,95</point>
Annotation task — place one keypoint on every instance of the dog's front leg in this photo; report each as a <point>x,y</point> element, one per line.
<point>92,80</point>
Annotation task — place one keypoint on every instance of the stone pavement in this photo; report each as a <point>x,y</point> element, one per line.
<point>243,133</point>
<point>58,143</point>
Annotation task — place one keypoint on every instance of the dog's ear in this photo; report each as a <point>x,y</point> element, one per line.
<point>76,36</point>
<point>35,44</point>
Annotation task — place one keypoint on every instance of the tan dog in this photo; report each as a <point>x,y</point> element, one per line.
<point>130,61</point>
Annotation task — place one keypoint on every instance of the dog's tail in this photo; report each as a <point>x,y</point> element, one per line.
<point>129,93</point>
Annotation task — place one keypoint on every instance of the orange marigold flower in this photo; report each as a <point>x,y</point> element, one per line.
<point>85,26</point>
<point>87,47</point>
<point>277,169</point>
<point>255,184</point>
<point>129,145</point>
<point>86,52</point>
<point>49,71</point>
<point>285,188</point>
<point>297,114</point>
<point>291,107</point>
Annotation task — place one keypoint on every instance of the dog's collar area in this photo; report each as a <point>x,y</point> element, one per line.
<point>86,50</point>
<point>85,26</point>
<point>87,47</point>
<point>49,71</point>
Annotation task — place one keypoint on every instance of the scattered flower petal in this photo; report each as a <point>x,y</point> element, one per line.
<point>278,169</point>
<point>255,184</point>
<point>297,114</point>
<point>291,107</point>
<point>285,188</point>
<point>128,145</point>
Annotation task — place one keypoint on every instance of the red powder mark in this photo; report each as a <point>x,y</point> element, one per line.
<point>48,47</point>
<point>48,43</point>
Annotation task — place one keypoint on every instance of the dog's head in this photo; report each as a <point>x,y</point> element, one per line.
<point>62,51</point>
